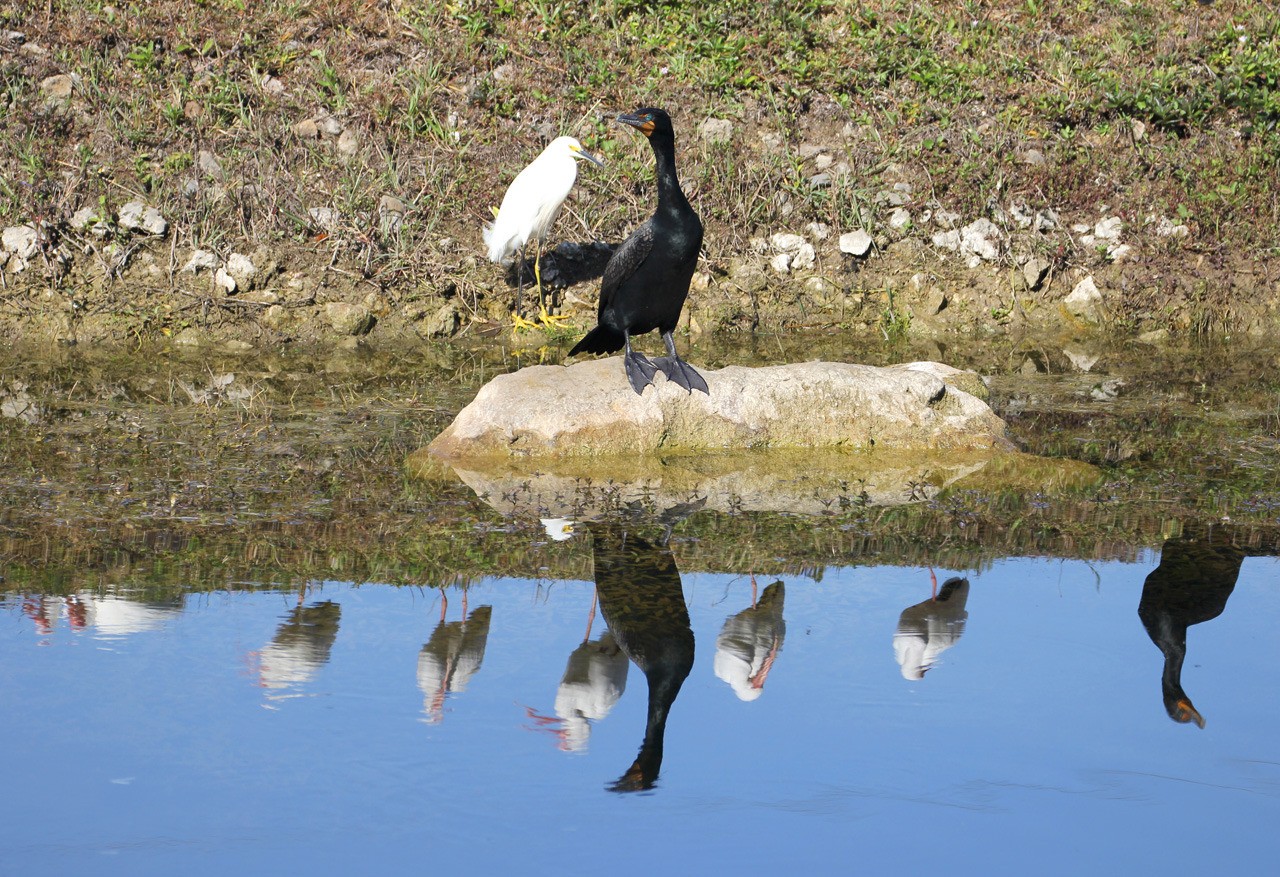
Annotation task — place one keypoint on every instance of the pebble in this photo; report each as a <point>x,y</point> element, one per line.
<point>781,263</point>
<point>1108,229</point>
<point>855,243</point>
<point>819,231</point>
<point>784,242</point>
<point>348,143</point>
<point>224,281</point>
<point>899,219</point>
<point>1084,300</point>
<point>137,216</point>
<point>59,88</point>
<point>242,270</point>
<point>348,319</point>
<point>201,260</point>
<point>324,218</point>
<point>208,165</point>
<point>1034,271</point>
<point>716,130</point>
<point>22,241</point>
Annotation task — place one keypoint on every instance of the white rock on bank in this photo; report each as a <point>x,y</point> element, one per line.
<point>856,243</point>
<point>589,409</point>
<point>137,216</point>
<point>1085,301</point>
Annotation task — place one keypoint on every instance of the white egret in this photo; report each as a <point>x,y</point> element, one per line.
<point>530,207</point>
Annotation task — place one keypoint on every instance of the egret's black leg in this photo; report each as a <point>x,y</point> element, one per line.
<point>640,370</point>
<point>677,370</point>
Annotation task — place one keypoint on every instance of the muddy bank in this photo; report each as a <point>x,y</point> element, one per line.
<point>904,287</point>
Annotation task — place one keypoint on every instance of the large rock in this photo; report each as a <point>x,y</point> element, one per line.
<point>588,409</point>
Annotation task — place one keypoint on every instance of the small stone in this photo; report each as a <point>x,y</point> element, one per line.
<point>190,337</point>
<point>891,198</point>
<point>786,243</point>
<point>324,218</point>
<point>781,263</point>
<point>137,216</point>
<point>1085,301</point>
<point>823,161</point>
<point>820,181</point>
<point>208,165</point>
<point>946,218</point>
<point>716,130</point>
<point>981,238</point>
<point>348,143</point>
<point>1034,271</point>
<point>1108,229</point>
<point>329,126</point>
<point>348,319</point>
<point>803,258</point>
<point>58,89</point>
<point>1166,228</point>
<point>443,323</point>
<point>307,129</point>
<point>819,231</point>
<point>947,240</point>
<point>224,281</point>
<point>201,260</point>
<point>1032,157</point>
<point>391,211</point>
<point>1119,252</point>
<point>1046,220</point>
<point>22,241</point>
<point>242,270</point>
<point>272,86</point>
<point>856,243</point>
<point>83,218</point>
<point>899,219</point>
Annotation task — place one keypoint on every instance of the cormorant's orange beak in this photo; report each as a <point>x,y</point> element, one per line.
<point>644,123</point>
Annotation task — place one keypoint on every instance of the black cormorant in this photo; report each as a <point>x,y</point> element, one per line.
<point>642,601</point>
<point>1192,583</point>
<point>647,279</point>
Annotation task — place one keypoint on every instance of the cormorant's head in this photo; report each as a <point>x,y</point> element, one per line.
<point>649,120</point>
<point>1181,710</point>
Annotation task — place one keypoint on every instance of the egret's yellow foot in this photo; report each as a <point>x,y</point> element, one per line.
<point>551,320</point>
<point>520,324</point>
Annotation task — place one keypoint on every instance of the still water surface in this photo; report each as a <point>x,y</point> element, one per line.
<point>1010,717</point>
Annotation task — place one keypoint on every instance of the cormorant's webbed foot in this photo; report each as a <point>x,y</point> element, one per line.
<point>677,370</point>
<point>640,370</point>
<point>681,373</point>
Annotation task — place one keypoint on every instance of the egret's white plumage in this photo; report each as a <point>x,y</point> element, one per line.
<point>534,198</point>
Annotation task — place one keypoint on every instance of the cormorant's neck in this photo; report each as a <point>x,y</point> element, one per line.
<point>670,197</point>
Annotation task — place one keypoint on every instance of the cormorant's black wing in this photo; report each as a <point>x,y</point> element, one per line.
<point>626,261</point>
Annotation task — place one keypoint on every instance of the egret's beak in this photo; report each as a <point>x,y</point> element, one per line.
<point>582,153</point>
<point>644,123</point>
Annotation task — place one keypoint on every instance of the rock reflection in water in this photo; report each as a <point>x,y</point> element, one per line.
<point>642,601</point>
<point>1191,584</point>
<point>300,647</point>
<point>928,629</point>
<point>452,656</point>
<point>749,642</point>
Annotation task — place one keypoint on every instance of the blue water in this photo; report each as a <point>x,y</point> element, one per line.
<point>232,734</point>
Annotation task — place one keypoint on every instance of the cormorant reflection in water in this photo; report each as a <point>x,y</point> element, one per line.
<point>642,601</point>
<point>928,629</point>
<point>452,656</point>
<point>1191,584</point>
<point>749,642</point>
<point>300,647</point>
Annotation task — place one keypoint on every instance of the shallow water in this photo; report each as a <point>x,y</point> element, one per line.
<point>236,639</point>
<point>351,725</point>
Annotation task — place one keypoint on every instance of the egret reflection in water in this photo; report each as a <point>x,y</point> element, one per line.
<point>300,647</point>
<point>107,615</point>
<point>1190,585</point>
<point>928,629</point>
<point>452,656</point>
<point>749,642</point>
<point>642,601</point>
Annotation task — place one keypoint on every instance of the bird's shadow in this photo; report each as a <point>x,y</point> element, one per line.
<point>569,263</point>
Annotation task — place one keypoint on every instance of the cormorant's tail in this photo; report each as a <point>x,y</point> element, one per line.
<point>601,339</point>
